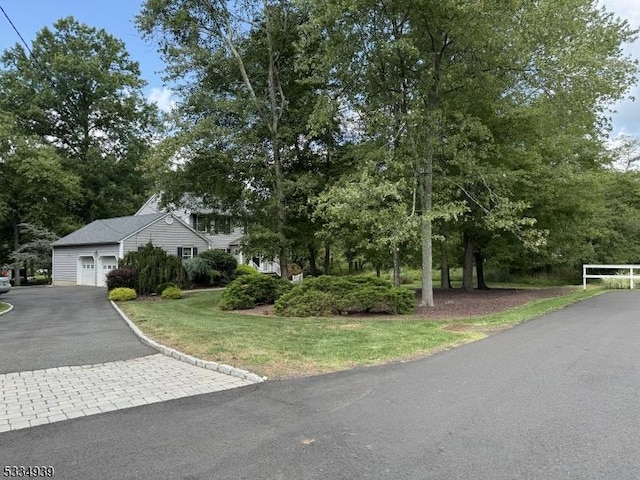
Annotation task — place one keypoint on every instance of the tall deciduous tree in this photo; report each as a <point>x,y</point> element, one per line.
<point>35,187</point>
<point>478,62</point>
<point>243,134</point>
<point>78,89</point>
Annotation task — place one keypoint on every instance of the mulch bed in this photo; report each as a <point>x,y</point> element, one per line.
<point>458,303</point>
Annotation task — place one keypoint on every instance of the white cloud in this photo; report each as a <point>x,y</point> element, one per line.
<point>163,98</point>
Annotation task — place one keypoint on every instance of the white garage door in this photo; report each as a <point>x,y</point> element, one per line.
<point>87,271</point>
<point>107,264</point>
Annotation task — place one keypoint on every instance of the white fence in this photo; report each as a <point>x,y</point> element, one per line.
<point>619,273</point>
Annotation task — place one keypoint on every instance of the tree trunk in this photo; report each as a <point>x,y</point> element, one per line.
<point>467,271</point>
<point>281,207</point>
<point>16,245</point>
<point>445,277</point>
<point>312,260</point>
<point>426,231</point>
<point>396,266</point>
<point>482,285</point>
<point>378,269</point>
<point>327,259</point>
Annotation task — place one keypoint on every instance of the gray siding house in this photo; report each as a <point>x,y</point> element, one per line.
<point>85,256</point>
<point>219,230</point>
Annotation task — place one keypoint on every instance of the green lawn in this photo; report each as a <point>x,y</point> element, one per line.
<point>281,347</point>
<point>3,307</point>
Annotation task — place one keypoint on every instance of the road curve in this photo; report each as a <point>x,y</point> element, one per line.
<point>556,397</point>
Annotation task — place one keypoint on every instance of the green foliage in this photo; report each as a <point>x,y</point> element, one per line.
<point>613,283</point>
<point>123,277</point>
<point>122,294</point>
<point>154,267</point>
<point>35,251</point>
<point>172,293</point>
<point>88,103</point>
<point>163,286</point>
<point>309,303</point>
<point>248,291</point>
<point>197,269</point>
<point>342,295</point>
<point>245,270</point>
<point>223,263</point>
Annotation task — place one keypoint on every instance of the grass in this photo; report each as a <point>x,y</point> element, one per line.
<point>3,307</point>
<point>282,347</point>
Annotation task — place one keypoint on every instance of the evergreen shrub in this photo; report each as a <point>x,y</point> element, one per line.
<point>248,291</point>
<point>124,277</point>
<point>197,269</point>
<point>245,270</point>
<point>154,267</point>
<point>122,294</point>
<point>343,295</point>
<point>163,286</point>
<point>172,293</point>
<point>220,261</point>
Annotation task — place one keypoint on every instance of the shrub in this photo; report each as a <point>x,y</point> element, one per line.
<point>163,286</point>
<point>613,283</point>
<point>124,277</point>
<point>221,261</point>
<point>326,295</point>
<point>248,291</point>
<point>122,294</point>
<point>197,269</point>
<point>154,267</point>
<point>172,293</point>
<point>245,270</point>
<point>306,304</point>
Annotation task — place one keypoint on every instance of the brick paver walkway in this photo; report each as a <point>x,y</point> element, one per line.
<point>37,397</point>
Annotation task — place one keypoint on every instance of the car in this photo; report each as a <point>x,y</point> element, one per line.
<point>5,284</point>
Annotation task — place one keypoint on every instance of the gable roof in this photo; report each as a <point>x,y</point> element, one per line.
<point>111,230</point>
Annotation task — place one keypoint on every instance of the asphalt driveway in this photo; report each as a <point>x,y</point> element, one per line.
<point>555,398</point>
<point>63,326</point>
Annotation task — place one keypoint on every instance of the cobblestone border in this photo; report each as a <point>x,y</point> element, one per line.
<point>170,352</point>
<point>8,309</point>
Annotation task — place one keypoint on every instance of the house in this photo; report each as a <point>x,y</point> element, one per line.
<point>85,256</point>
<point>219,228</point>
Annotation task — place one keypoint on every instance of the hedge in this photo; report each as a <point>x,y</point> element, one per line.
<point>326,295</point>
<point>248,291</point>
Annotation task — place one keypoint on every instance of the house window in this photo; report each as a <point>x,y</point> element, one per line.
<point>187,253</point>
<point>200,223</point>
<point>222,225</point>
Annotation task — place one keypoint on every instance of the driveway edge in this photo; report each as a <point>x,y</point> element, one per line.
<point>183,357</point>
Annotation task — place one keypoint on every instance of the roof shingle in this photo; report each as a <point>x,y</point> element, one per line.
<point>111,230</point>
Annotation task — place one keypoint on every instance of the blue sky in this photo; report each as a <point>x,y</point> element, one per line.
<point>116,16</point>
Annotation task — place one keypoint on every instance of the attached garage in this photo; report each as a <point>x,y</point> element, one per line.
<point>86,256</point>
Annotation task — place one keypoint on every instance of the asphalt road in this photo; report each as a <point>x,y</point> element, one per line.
<point>63,326</point>
<point>555,398</point>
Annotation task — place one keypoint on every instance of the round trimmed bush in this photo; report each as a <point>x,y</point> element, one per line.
<point>245,270</point>
<point>122,294</point>
<point>124,277</point>
<point>172,293</point>
<point>221,261</point>
<point>163,286</point>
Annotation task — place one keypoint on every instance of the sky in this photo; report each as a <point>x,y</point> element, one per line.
<point>117,18</point>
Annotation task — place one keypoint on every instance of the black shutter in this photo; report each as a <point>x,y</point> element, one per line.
<point>195,251</point>
<point>179,252</point>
